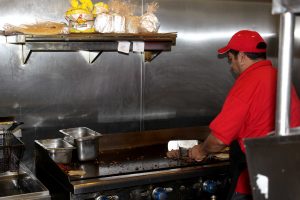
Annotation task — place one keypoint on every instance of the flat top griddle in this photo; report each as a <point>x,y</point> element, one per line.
<point>129,161</point>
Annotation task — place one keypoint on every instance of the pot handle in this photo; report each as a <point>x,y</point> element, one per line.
<point>14,126</point>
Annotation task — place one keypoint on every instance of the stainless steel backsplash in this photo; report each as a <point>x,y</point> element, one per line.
<point>119,93</point>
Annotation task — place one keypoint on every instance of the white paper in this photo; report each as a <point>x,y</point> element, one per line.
<point>2,39</point>
<point>124,46</point>
<point>138,46</point>
<point>262,183</point>
<point>175,144</point>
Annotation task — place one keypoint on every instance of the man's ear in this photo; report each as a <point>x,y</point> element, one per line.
<point>242,57</point>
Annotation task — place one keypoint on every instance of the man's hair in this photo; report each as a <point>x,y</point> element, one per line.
<point>253,56</point>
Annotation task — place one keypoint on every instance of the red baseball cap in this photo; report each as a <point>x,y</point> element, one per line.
<point>245,41</point>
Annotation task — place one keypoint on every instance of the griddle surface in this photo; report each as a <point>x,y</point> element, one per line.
<point>129,161</point>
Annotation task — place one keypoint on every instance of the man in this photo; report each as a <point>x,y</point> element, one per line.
<point>249,108</point>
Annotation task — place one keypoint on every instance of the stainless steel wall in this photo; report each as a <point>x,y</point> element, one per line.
<point>184,87</point>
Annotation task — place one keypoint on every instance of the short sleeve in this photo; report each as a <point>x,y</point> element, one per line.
<point>295,109</point>
<point>227,125</point>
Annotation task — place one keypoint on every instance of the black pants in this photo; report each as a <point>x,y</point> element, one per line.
<point>238,164</point>
<point>239,196</point>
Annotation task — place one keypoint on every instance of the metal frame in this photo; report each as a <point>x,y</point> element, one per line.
<point>287,10</point>
<point>285,60</point>
<point>91,46</point>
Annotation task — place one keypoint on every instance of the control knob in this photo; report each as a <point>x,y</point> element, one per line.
<point>140,194</point>
<point>210,186</point>
<point>160,193</point>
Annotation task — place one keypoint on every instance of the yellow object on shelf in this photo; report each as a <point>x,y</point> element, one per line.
<point>99,8</point>
<point>79,15</point>
<point>74,3</point>
<point>80,21</point>
<point>86,4</point>
<point>74,11</point>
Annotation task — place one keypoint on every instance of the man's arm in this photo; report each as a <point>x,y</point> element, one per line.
<point>210,145</point>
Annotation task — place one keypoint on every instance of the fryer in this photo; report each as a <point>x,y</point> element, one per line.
<point>140,171</point>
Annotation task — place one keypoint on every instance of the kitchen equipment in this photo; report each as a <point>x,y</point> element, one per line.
<point>268,168</point>
<point>7,119</point>
<point>11,152</point>
<point>135,171</point>
<point>14,126</point>
<point>85,140</point>
<point>59,150</point>
<point>10,126</point>
<point>23,185</point>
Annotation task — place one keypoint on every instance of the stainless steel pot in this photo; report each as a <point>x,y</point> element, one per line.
<point>85,140</point>
<point>59,150</point>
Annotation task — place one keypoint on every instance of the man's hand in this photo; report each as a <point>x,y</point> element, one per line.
<point>210,145</point>
<point>200,151</point>
<point>197,153</point>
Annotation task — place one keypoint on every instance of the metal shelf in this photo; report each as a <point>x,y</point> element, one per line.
<point>92,45</point>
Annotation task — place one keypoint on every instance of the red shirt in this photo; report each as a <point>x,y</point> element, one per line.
<point>249,110</point>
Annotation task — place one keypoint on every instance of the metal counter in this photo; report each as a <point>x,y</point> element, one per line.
<point>23,185</point>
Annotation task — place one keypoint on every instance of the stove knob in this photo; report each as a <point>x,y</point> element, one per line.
<point>161,193</point>
<point>102,197</point>
<point>210,186</point>
<point>140,194</point>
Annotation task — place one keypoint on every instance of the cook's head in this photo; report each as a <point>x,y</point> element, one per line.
<point>245,41</point>
<point>243,49</point>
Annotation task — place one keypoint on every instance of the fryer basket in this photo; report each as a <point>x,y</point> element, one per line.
<point>11,152</point>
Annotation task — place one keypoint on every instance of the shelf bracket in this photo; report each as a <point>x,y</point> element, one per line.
<point>90,56</point>
<point>25,54</point>
<point>150,55</point>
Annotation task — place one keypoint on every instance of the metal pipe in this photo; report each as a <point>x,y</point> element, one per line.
<point>286,40</point>
<point>142,89</point>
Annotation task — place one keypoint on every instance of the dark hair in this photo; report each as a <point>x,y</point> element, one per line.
<point>253,56</point>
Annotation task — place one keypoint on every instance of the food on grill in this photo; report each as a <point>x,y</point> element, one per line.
<point>173,154</point>
<point>76,173</point>
<point>182,153</point>
<point>221,156</point>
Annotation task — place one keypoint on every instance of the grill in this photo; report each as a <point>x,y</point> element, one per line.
<point>134,172</point>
